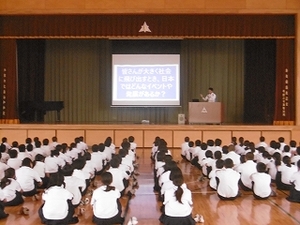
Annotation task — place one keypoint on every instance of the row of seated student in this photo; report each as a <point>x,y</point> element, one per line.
<point>246,165</point>
<point>66,172</point>
<point>173,192</point>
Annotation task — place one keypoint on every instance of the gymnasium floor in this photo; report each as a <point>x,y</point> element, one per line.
<point>144,205</point>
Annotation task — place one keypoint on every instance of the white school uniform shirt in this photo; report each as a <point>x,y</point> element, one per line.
<point>53,145</point>
<point>295,179</point>
<point>164,177</point>
<point>286,173</point>
<point>97,159</point>
<point>40,168</point>
<point>295,159</point>
<point>53,163</point>
<point>204,163</point>
<point>210,97</point>
<point>228,186</point>
<point>212,179</point>
<point>7,146</point>
<point>201,156</point>
<point>46,149</point>
<point>272,169</point>
<point>38,151</point>
<point>56,205</point>
<point>235,158</point>
<point>65,158</point>
<point>173,208</point>
<point>217,148</point>
<point>261,144</point>
<point>4,157</point>
<point>105,202</point>
<point>26,177</point>
<point>247,169</point>
<point>127,160</point>
<point>240,150</point>
<point>184,148</point>
<point>262,182</point>
<point>80,175</point>
<point>108,152</point>
<point>133,146</point>
<point>23,155</point>
<point>166,185</point>
<point>10,190</point>
<point>3,167</point>
<point>118,176</point>
<point>72,185</point>
<point>14,163</point>
<point>89,168</point>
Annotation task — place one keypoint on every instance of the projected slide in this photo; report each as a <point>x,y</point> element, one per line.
<point>146,80</point>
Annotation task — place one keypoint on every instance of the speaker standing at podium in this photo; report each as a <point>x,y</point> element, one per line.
<point>210,97</point>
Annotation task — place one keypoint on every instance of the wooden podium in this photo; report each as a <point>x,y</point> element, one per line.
<point>205,112</point>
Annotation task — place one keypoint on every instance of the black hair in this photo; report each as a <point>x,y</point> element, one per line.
<point>219,163</point>
<point>210,142</point>
<point>198,142</point>
<point>249,156</point>
<point>108,141</point>
<point>4,139</point>
<point>13,153</point>
<point>209,154</point>
<point>8,173</point>
<point>39,158</point>
<point>45,141</point>
<point>38,144</point>
<point>262,139</point>
<point>293,143</point>
<point>27,162</point>
<point>203,146</point>
<point>287,161</point>
<point>218,155</point>
<point>115,161</point>
<point>56,179</point>
<point>125,145</point>
<point>107,179</point>
<point>22,148</point>
<point>178,181</point>
<point>15,144</point>
<point>286,148</point>
<point>131,139</point>
<point>261,167</point>
<point>29,147</point>
<point>186,139</point>
<point>67,170</point>
<point>101,147</point>
<point>95,148</point>
<point>191,144</point>
<point>228,163</point>
<point>218,142</point>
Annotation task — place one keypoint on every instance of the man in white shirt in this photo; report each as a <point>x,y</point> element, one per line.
<point>246,170</point>
<point>295,190</point>
<point>210,97</point>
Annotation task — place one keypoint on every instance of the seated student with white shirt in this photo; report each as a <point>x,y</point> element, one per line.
<point>261,182</point>
<point>107,208</point>
<point>246,169</point>
<point>27,177</point>
<point>14,161</point>
<point>57,207</point>
<point>294,195</point>
<point>212,175</point>
<point>120,177</point>
<point>185,147</point>
<point>11,189</point>
<point>296,157</point>
<point>227,181</point>
<point>284,173</point>
<point>178,204</point>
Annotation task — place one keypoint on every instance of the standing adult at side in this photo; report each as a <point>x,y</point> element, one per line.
<point>210,97</point>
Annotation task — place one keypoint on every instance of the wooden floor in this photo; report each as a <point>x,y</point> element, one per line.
<point>144,205</point>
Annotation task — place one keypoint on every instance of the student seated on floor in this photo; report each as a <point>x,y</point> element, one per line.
<point>107,208</point>
<point>227,181</point>
<point>294,195</point>
<point>57,208</point>
<point>261,182</point>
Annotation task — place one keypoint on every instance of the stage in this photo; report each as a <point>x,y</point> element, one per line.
<point>145,133</point>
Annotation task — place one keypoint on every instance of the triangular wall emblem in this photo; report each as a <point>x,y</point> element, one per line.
<point>204,110</point>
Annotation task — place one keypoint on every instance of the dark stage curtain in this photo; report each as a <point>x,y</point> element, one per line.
<point>8,82</point>
<point>285,83</point>
<point>31,78</point>
<point>260,79</point>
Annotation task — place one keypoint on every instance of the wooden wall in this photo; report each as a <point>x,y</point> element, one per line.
<point>145,6</point>
<point>145,134</point>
